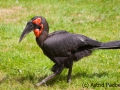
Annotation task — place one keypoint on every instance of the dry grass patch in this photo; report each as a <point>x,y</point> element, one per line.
<point>8,14</point>
<point>2,76</point>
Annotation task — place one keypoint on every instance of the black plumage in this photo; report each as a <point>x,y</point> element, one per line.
<point>62,47</point>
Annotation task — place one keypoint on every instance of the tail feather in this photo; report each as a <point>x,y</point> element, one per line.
<point>110,45</point>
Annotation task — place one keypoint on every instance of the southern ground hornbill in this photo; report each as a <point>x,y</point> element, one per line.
<point>63,47</point>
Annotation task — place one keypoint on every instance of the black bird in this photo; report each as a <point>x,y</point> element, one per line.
<point>63,47</point>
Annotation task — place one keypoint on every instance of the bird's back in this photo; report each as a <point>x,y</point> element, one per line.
<point>63,43</point>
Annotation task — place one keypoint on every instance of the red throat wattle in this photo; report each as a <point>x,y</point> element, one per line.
<point>38,32</point>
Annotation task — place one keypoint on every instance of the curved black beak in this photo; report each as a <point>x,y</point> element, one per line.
<point>29,27</point>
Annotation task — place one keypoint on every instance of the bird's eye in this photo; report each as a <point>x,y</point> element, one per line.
<point>39,27</point>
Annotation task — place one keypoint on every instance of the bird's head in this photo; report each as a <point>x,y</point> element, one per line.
<point>37,24</point>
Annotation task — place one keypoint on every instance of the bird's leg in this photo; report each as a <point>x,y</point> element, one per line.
<point>46,79</point>
<point>57,72</point>
<point>69,72</point>
<point>69,75</point>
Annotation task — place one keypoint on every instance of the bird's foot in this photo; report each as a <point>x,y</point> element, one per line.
<point>40,83</point>
<point>69,80</point>
<point>45,80</point>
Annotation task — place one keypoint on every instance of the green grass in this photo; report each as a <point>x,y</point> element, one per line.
<point>24,64</point>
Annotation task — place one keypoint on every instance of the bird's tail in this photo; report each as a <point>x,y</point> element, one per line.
<point>110,45</point>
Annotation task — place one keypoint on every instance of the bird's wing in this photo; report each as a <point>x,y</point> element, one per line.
<point>62,43</point>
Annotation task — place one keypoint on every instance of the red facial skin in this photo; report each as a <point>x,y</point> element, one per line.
<point>38,32</point>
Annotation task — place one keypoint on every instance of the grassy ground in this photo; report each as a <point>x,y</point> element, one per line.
<point>24,64</point>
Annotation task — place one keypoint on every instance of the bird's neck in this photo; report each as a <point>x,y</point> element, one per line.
<point>42,38</point>
<point>42,34</point>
